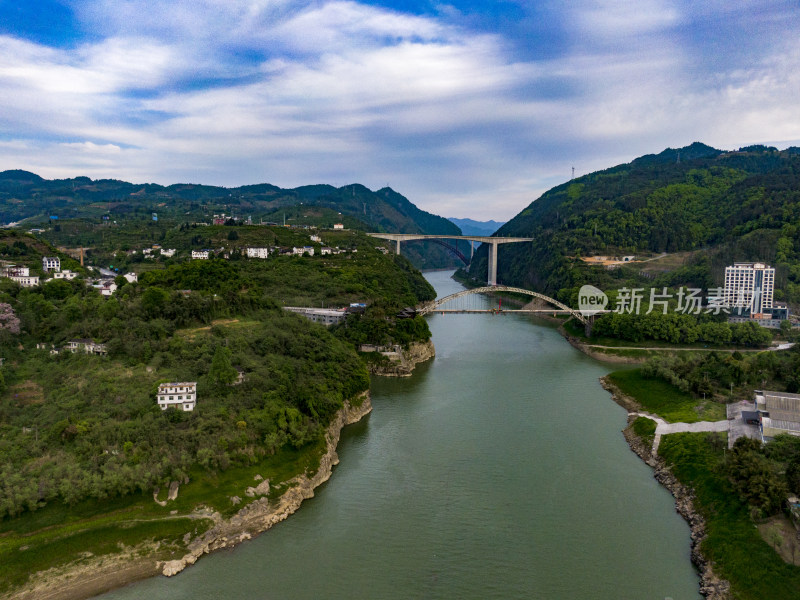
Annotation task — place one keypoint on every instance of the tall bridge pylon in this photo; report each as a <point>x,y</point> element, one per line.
<point>493,242</point>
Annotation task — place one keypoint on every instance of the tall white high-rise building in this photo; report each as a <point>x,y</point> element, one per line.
<point>750,286</point>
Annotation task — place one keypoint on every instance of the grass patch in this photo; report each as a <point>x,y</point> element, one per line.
<point>22,557</point>
<point>733,544</point>
<point>665,400</point>
<point>645,428</point>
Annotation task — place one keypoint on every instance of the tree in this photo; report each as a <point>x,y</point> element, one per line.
<point>221,371</point>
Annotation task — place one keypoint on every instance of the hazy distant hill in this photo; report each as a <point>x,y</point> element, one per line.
<point>25,195</point>
<point>471,227</point>
<point>704,207</point>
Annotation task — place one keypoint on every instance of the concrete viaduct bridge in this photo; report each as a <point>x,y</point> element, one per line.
<point>493,242</point>
<point>450,304</point>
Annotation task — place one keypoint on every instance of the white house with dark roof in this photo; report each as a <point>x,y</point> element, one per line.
<point>181,395</point>
<point>51,263</point>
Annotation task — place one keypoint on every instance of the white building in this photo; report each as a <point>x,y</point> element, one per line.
<point>15,271</point>
<point>316,238</point>
<point>180,395</point>
<point>324,316</point>
<point>25,281</point>
<point>168,252</point>
<point>749,286</point>
<point>258,253</point>
<point>338,225</point>
<point>199,254</point>
<point>87,346</point>
<point>325,250</point>
<point>304,250</point>
<point>51,263</point>
<point>131,277</point>
<point>65,274</point>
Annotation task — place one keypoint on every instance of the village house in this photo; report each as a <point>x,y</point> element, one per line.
<point>23,281</point>
<point>304,250</point>
<point>325,250</point>
<point>316,238</point>
<point>51,263</point>
<point>258,252</point>
<point>338,225</point>
<point>181,395</point>
<point>778,412</point>
<point>87,346</point>
<point>168,252</point>
<point>200,254</point>
<point>65,274</point>
<point>131,277</point>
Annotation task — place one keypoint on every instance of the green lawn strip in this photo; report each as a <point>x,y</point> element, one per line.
<point>665,400</point>
<point>216,489</point>
<point>733,545</point>
<point>645,428</point>
<point>18,561</point>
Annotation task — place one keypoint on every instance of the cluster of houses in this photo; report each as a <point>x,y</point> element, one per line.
<point>50,264</point>
<point>81,345</point>
<point>266,251</point>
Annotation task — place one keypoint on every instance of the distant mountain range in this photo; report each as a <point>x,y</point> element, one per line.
<point>705,208</point>
<point>27,196</point>
<point>471,227</point>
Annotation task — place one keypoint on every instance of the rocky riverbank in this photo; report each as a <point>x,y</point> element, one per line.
<point>401,364</point>
<point>94,575</point>
<point>711,586</point>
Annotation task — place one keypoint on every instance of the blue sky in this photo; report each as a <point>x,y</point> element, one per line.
<point>470,109</point>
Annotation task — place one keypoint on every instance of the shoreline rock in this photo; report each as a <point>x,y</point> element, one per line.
<point>712,586</point>
<point>416,353</point>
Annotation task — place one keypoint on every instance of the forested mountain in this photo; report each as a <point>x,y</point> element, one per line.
<point>26,196</point>
<point>702,207</point>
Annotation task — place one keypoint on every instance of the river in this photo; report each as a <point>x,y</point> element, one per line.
<point>497,470</point>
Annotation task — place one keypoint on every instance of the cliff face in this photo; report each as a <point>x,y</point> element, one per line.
<point>402,364</point>
<point>263,514</point>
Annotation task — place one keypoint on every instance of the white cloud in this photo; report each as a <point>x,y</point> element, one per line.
<point>339,92</point>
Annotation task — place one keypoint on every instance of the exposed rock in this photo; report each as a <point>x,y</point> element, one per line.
<point>262,514</point>
<point>173,490</point>
<point>257,477</point>
<point>711,586</point>
<point>416,353</point>
<point>262,489</point>
<point>235,500</point>
<point>155,497</point>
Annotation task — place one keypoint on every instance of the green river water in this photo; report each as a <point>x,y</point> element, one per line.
<point>497,470</point>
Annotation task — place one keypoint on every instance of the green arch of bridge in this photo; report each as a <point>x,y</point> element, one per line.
<point>500,288</point>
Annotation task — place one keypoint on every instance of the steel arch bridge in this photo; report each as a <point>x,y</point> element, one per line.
<point>436,305</point>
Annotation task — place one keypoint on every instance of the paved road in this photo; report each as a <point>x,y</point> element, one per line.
<point>664,428</point>
<point>785,346</point>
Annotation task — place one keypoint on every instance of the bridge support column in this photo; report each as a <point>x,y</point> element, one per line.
<point>493,263</point>
<point>398,247</point>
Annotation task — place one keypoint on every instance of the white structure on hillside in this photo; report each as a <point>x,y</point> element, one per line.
<point>316,238</point>
<point>182,395</point>
<point>168,252</point>
<point>304,250</point>
<point>65,274</point>
<point>51,263</point>
<point>199,254</point>
<point>338,226</point>
<point>258,253</point>
<point>131,277</point>
<point>25,281</point>
<point>323,316</point>
<point>749,286</point>
<point>86,346</point>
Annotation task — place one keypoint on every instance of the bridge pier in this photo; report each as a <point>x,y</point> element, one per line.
<point>492,263</point>
<point>398,246</point>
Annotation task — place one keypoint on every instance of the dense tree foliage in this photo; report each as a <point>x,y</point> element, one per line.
<point>74,426</point>
<point>724,207</point>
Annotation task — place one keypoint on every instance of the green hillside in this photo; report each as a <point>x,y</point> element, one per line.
<point>688,212</point>
<point>27,197</point>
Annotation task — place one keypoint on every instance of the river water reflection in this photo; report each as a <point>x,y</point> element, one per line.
<point>497,471</point>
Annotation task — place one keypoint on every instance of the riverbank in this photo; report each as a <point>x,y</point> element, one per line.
<point>711,586</point>
<point>91,575</point>
<point>402,364</point>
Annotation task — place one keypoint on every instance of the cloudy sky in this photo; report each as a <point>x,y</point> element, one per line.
<point>470,109</point>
